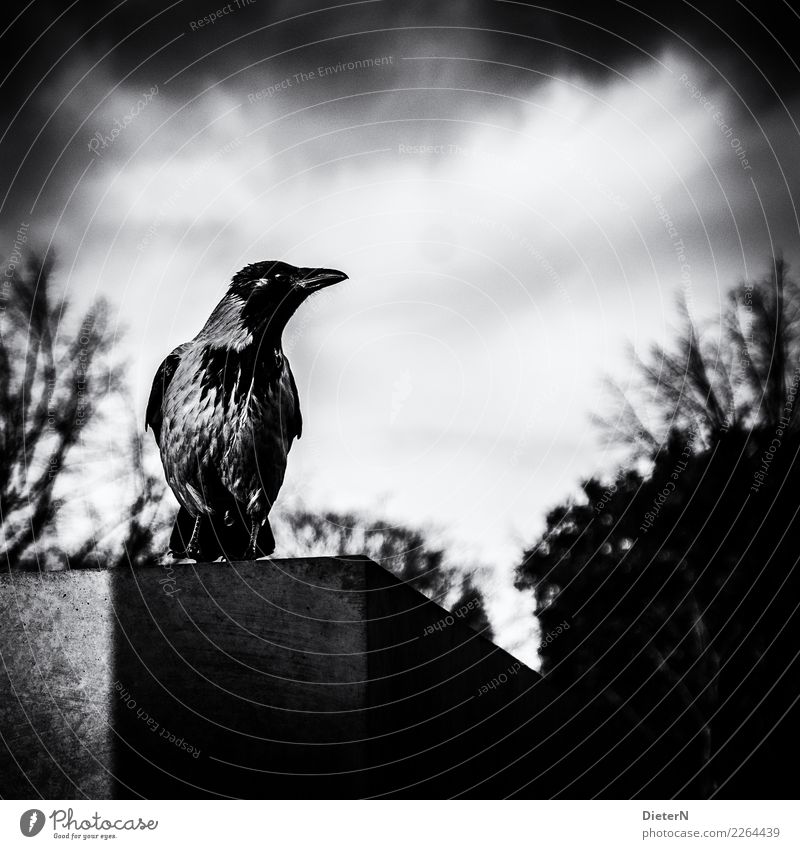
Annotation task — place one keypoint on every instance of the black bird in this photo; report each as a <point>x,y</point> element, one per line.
<point>224,411</point>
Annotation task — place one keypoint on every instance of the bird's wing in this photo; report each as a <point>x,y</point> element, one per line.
<point>297,422</point>
<point>154,413</point>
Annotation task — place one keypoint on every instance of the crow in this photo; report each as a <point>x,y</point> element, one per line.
<point>224,411</point>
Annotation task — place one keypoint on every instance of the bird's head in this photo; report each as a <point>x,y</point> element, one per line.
<point>273,290</point>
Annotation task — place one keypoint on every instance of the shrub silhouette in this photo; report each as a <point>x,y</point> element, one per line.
<point>680,581</point>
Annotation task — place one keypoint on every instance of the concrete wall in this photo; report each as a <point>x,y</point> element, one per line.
<point>55,685</point>
<point>322,677</point>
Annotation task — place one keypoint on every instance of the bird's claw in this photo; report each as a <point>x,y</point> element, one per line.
<point>171,557</point>
<point>257,554</point>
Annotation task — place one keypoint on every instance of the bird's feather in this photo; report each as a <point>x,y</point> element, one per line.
<point>297,423</point>
<point>154,413</point>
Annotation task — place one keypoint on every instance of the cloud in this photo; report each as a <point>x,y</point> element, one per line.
<point>499,263</point>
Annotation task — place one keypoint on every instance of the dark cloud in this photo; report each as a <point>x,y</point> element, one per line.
<point>62,59</point>
<point>745,40</point>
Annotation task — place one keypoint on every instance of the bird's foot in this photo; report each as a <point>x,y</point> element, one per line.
<point>171,557</point>
<point>262,541</point>
<point>256,553</point>
<point>193,553</point>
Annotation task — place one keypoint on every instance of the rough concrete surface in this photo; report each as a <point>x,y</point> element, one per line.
<point>55,693</point>
<point>304,678</point>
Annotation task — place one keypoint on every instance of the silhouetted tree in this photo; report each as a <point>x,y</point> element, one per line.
<point>402,550</point>
<point>53,375</point>
<point>58,377</point>
<point>680,583</point>
<point>137,533</point>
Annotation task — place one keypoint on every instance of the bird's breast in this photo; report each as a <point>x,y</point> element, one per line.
<point>230,413</point>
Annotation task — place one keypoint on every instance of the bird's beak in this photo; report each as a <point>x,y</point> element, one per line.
<point>313,279</point>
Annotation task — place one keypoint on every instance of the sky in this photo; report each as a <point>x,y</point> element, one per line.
<point>517,193</point>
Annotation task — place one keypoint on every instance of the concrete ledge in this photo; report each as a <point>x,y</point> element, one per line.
<point>319,677</point>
